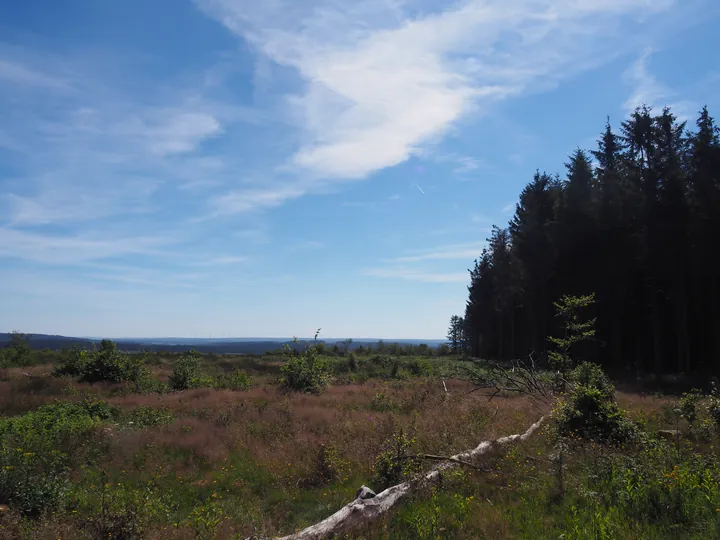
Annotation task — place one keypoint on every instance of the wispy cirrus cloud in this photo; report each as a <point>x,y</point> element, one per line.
<point>449,252</point>
<point>508,208</point>
<point>410,274</point>
<point>383,79</point>
<point>73,249</point>
<point>442,264</point>
<point>105,153</point>
<point>648,90</point>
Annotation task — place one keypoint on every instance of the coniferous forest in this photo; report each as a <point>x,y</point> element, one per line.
<point>636,222</point>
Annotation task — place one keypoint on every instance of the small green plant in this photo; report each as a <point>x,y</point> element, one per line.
<point>145,417</point>
<point>713,406</point>
<point>420,367</point>
<point>108,364</point>
<point>17,353</point>
<point>396,462</point>
<point>119,511</point>
<point>104,364</point>
<point>353,364</point>
<point>305,371</point>
<point>329,467</point>
<point>588,413</point>
<point>382,403</point>
<point>238,380</point>
<point>187,373</point>
<point>569,309</point>
<point>74,363</point>
<point>36,449</point>
<point>205,520</point>
<point>593,376</point>
<point>688,405</point>
<point>381,360</point>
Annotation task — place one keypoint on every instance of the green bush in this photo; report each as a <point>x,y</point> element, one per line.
<point>689,405</point>
<point>305,371</point>
<point>105,364</point>
<point>36,448</point>
<point>187,373</point>
<point>420,367</point>
<point>108,364</point>
<point>396,463</point>
<point>329,467</point>
<point>238,380</point>
<point>17,353</point>
<point>118,511</point>
<point>74,363</point>
<point>713,408</point>
<point>655,488</point>
<point>592,375</point>
<point>381,360</point>
<point>587,412</point>
<point>353,363</point>
<point>144,417</point>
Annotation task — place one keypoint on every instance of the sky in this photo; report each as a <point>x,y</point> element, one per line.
<point>235,168</point>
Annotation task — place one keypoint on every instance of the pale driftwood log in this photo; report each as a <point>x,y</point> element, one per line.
<point>361,511</point>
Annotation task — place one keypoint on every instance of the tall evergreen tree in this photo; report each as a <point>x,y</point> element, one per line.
<point>639,231</point>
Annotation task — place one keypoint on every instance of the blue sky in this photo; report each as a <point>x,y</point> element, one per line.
<point>240,168</point>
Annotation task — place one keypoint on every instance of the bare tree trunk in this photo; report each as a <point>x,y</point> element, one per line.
<point>362,511</point>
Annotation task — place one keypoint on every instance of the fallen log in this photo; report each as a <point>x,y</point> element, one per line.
<point>367,507</point>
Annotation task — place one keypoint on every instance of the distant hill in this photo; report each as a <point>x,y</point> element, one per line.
<point>218,345</point>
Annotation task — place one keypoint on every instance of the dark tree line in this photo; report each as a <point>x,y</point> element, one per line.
<point>639,227</point>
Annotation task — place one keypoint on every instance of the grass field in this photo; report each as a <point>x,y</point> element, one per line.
<point>215,463</point>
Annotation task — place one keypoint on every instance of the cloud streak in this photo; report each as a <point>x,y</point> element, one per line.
<point>72,250</point>
<point>648,90</point>
<point>380,82</point>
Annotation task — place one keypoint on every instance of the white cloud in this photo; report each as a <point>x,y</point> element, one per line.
<point>379,84</point>
<point>72,250</point>
<point>20,74</point>
<point>223,260</point>
<point>250,200</point>
<point>408,274</point>
<point>306,244</point>
<point>455,251</point>
<point>258,235</point>
<point>461,164</point>
<point>508,208</point>
<point>480,218</point>
<point>648,90</point>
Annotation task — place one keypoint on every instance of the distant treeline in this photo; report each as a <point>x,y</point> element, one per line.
<point>637,222</point>
<point>49,344</point>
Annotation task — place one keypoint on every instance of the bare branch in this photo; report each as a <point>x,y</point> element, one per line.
<point>362,511</point>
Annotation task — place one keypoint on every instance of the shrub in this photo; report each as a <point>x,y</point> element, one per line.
<point>305,371</point>
<point>381,360</point>
<point>353,362</point>
<point>17,353</point>
<point>206,519</point>
<point>118,511</point>
<point>74,363</point>
<point>688,405</point>
<point>592,375</point>
<point>238,380</point>
<point>144,417</point>
<point>187,373</point>
<point>35,450</point>
<point>588,413</point>
<point>329,467</point>
<point>33,483</point>
<point>420,367</point>
<point>395,462</point>
<point>108,364</point>
<point>713,408</point>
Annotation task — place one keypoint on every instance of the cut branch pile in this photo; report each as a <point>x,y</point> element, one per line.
<point>367,507</point>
